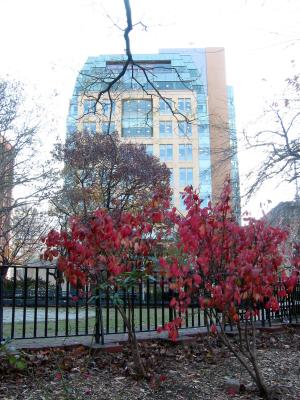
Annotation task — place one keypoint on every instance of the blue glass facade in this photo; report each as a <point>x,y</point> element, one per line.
<point>195,60</point>
<point>235,178</point>
<point>137,118</point>
<point>185,152</point>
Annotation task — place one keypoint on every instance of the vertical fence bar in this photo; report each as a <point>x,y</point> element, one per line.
<point>198,310</point>
<point>97,325</point>
<point>36,291</point>
<point>13,311</point>
<point>141,305</point>
<point>77,313</point>
<point>67,309</point>
<point>46,302</point>
<point>187,318</point>
<point>1,302</point>
<point>293,304</point>
<point>116,314</point>
<point>186,313</point>
<point>262,315</point>
<point>289,309</point>
<point>132,302</point>
<point>293,311</point>
<point>205,318</point>
<point>282,310</point>
<point>57,298</point>
<point>24,303</point>
<point>280,300</point>
<point>124,302</point>
<point>86,309</point>
<point>148,304</point>
<point>268,315</point>
<point>107,310</point>
<point>297,301</point>
<point>193,312</point>
<point>99,320</point>
<point>170,295</point>
<point>155,303</point>
<point>163,301</point>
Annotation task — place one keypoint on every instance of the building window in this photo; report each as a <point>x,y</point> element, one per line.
<point>165,129</point>
<point>89,127</point>
<point>203,128</point>
<point>185,177</point>
<point>182,206</point>
<point>107,105</point>
<point>107,127</point>
<point>185,152</point>
<point>184,129</point>
<point>204,153</point>
<point>172,200</point>
<point>73,108</point>
<point>205,177</point>
<point>201,108</point>
<point>165,106</point>
<point>137,118</point>
<point>149,149</point>
<point>184,106</point>
<point>166,152</point>
<point>89,106</point>
<point>171,177</point>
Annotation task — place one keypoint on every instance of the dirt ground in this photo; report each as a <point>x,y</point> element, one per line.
<point>191,371</point>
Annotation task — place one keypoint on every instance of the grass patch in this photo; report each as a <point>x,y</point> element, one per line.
<point>145,319</point>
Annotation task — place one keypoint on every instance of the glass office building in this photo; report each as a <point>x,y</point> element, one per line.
<point>176,103</point>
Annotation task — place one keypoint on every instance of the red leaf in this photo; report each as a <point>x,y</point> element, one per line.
<point>58,376</point>
<point>163,378</point>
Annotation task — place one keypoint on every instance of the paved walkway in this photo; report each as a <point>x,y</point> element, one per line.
<point>119,338</point>
<point>39,343</point>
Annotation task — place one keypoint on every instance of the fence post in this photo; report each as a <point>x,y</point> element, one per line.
<point>1,304</point>
<point>262,315</point>
<point>170,295</point>
<point>290,310</point>
<point>99,320</point>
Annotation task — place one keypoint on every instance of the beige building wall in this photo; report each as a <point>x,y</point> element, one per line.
<point>156,140</point>
<point>218,118</point>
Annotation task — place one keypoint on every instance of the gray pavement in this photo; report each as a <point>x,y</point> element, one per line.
<point>39,343</point>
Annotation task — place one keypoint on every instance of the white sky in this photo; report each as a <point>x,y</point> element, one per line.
<point>45,42</point>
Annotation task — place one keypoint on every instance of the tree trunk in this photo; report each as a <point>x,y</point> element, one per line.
<point>139,366</point>
<point>246,356</point>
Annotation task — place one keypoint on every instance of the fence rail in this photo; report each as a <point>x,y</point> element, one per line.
<point>36,303</point>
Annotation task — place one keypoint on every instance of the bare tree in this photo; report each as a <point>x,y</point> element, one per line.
<point>280,143</point>
<point>21,240</point>
<point>100,171</point>
<point>22,176</point>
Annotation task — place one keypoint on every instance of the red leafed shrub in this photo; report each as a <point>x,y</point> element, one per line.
<point>229,268</point>
<point>112,251</point>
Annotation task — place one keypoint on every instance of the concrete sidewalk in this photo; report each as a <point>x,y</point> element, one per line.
<point>89,341</point>
<point>116,340</point>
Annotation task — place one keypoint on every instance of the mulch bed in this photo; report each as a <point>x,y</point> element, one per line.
<point>186,371</point>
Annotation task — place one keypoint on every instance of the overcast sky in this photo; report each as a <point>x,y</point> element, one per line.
<point>45,42</point>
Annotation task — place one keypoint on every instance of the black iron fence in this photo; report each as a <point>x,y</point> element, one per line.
<point>35,302</point>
